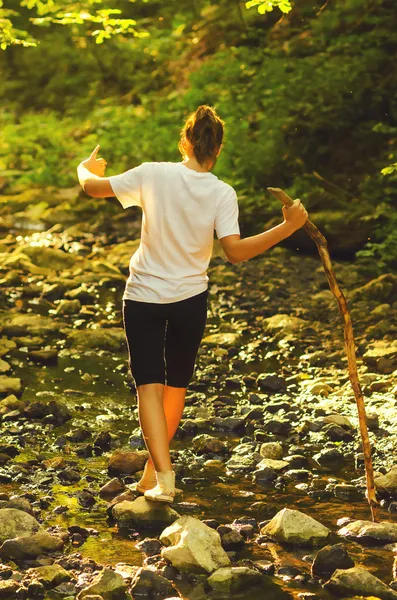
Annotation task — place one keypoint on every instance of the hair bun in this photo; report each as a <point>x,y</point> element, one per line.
<point>204,130</point>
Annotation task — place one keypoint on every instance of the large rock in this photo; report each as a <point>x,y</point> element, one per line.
<point>50,258</point>
<point>358,581</point>
<point>22,536</point>
<point>143,512</point>
<point>14,523</point>
<point>111,338</point>
<point>228,580</point>
<point>30,546</point>
<point>388,482</point>
<point>284,323</point>
<point>50,575</point>
<point>330,558</point>
<point>9,385</point>
<point>9,589</point>
<point>148,583</point>
<point>382,289</point>
<point>193,546</point>
<point>382,356</point>
<point>48,408</point>
<point>108,584</point>
<point>31,324</point>
<point>384,532</point>
<point>272,450</point>
<point>208,444</point>
<point>293,527</point>
<point>126,463</point>
<point>221,339</point>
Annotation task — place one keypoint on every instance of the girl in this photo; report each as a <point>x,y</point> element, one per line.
<point>165,298</point>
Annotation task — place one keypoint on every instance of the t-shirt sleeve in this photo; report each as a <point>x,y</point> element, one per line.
<point>127,187</point>
<point>226,219</point>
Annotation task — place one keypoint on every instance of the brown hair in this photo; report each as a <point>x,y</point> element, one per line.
<point>204,130</point>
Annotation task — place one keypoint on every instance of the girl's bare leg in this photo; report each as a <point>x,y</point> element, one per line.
<point>160,409</point>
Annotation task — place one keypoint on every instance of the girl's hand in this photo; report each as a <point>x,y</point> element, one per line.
<point>295,215</point>
<point>95,165</point>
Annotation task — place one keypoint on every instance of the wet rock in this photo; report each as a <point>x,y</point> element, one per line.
<point>340,420</point>
<point>148,583</point>
<point>111,338</point>
<point>381,356</point>
<point>9,589</point>
<point>105,440</point>
<point>363,531</point>
<point>221,339</point>
<point>268,463</point>
<point>278,426</point>
<point>193,546</point>
<point>150,546</point>
<point>50,575</point>
<point>231,539</point>
<point>68,307</point>
<point>30,546</point>
<point>85,294</point>
<point>10,385</point>
<point>6,345</point>
<point>49,409</point>
<point>229,423</point>
<point>31,324</point>
<point>207,444</point>
<point>348,493</point>
<point>284,323</point>
<point>271,383</point>
<point>336,433</point>
<point>69,475</point>
<point>264,475</point>
<point>294,527</point>
<point>388,482</point>
<point>143,512</point>
<point>382,289</point>
<point>44,357</point>
<point>107,584</point>
<point>126,463</point>
<point>241,464</point>
<point>359,581</point>
<point>15,523</point>
<point>229,580</point>
<point>18,503</point>
<point>329,457</point>
<point>4,366</point>
<point>111,488</point>
<point>273,450</point>
<point>330,558</point>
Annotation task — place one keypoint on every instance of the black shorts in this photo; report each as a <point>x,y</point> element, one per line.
<point>163,339</point>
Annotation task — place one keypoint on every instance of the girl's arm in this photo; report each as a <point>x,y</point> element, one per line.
<point>90,173</point>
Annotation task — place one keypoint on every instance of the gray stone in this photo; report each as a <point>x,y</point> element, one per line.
<point>273,450</point>
<point>330,558</point>
<point>143,512</point>
<point>359,581</point>
<point>108,584</point>
<point>293,527</point>
<point>148,583</point>
<point>127,463</point>
<point>193,546</point>
<point>229,580</point>
<point>388,482</point>
<point>384,532</point>
<point>10,385</point>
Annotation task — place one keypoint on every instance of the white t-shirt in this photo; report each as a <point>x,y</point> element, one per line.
<point>181,208</point>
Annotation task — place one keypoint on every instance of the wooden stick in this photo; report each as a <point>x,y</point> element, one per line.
<point>322,248</point>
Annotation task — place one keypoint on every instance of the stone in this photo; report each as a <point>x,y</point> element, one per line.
<point>382,289</point>
<point>127,463</point>
<point>277,426</point>
<point>111,488</point>
<point>340,420</point>
<point>9,589</point>
<point>286,323</point>
<point>388,482</point>
<point>143,512</point>
<point>44,357</point>
<point>109,338</point>
<point>294,527</point>
<point>107,584</point>
<point>358,581</point>
<point>193,546</point>
<point>68,307</point>
<point>330,558</point>
<point>50,409</point>
<point>30,546</point>
<point>382,356</point>
<point>208,444</point>
<point>221,339</point>
<point>276,465</point>
<point>50,575</point>
<point>14,522</point>
<point>10,385</point>
<point>6,345</point>
<point>272,450</point>
<point>384,532</point>
<point>271,382</point>
<point>31,324</point>
<point>4,366</point>
<point>348,492</point>
<point>148,583</point>
<point>229,580</point>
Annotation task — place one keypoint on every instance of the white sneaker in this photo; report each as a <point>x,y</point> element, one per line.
<point>164,491</point>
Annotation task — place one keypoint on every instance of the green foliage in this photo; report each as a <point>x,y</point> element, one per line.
<point>268,5</point>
